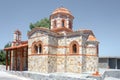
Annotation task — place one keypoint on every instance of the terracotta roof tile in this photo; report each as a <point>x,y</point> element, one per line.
<point>91,38</point>
<point>16,47</point>
<point>62,10</point>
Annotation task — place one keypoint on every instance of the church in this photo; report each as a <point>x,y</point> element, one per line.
<point>58,49</point>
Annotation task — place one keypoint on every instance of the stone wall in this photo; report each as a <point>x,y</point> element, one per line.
<point>90,58</point>
<point>74,64</point>
<point>43,38</point>
<point>58,57</point>
<point>61,64</point>
<point>38,64</point>
<point>53,43</point>
<point>90,64</point>
<point>65,42</point>
<point>52,65</point>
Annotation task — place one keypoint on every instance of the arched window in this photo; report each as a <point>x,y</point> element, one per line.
<point>70,25</point>
<point>55,24</point>
<point>74,47</point>
<point>40,48</point>
<point>63,23</point>
<point>37,47</point>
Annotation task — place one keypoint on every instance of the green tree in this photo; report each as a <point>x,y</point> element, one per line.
<point>3,55</point>
<point>7,45</point>
<point>45,22</point>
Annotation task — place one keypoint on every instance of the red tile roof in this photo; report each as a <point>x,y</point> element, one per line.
<point>91,38</point>
<point>62,10</point>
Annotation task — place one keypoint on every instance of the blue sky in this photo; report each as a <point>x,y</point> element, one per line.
<point>101,16</point>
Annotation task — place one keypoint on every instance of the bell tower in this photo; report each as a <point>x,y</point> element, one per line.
<point>17,38</point>
<point>61,20</point>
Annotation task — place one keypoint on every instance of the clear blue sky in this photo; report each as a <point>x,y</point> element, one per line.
<point>101,16</point>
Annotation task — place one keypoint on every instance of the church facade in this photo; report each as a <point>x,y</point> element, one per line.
<point>58,49</point>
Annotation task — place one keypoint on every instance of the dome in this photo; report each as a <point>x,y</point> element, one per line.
<point>62,10</point>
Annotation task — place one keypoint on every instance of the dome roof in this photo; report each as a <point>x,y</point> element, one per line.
<point>62,10</point>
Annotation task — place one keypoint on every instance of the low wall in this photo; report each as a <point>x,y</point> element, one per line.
<point>112,73</point>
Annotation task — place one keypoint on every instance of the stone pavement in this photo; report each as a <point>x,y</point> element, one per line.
<point>4,75</point>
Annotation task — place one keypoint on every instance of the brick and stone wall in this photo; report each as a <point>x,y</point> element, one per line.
<point>57,56</point>
<point>52,64</point>
<point>90,64</point>
<point>35,38</point>
<point>60,63</point>
<point>38,64</point>
<point>74,64</point>
<point>52,44</point>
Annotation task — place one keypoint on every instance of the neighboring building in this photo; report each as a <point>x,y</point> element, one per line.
<point>58,49</point>
<point>17,53</point>
<point>109,62</point>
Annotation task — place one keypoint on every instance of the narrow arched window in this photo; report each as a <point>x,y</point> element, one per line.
<point>35,49</point>
<point>40,48</point>
<point>63,23</point>
<point>55,24</point>
<point>74,48</point>
<point>70,25</point>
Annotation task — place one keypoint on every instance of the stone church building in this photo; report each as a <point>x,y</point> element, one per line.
<point>58,49</point>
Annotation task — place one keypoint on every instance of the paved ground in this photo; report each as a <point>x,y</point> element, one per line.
<point>111,78</point>
<point>6,76</point>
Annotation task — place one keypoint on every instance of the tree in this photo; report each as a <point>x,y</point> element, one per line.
<point>7,45</point>
<point>3,55</point>
<point>45,22</point>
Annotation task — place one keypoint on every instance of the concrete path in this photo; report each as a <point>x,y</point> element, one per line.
<point>7,76</point>
<point>111,78</point>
